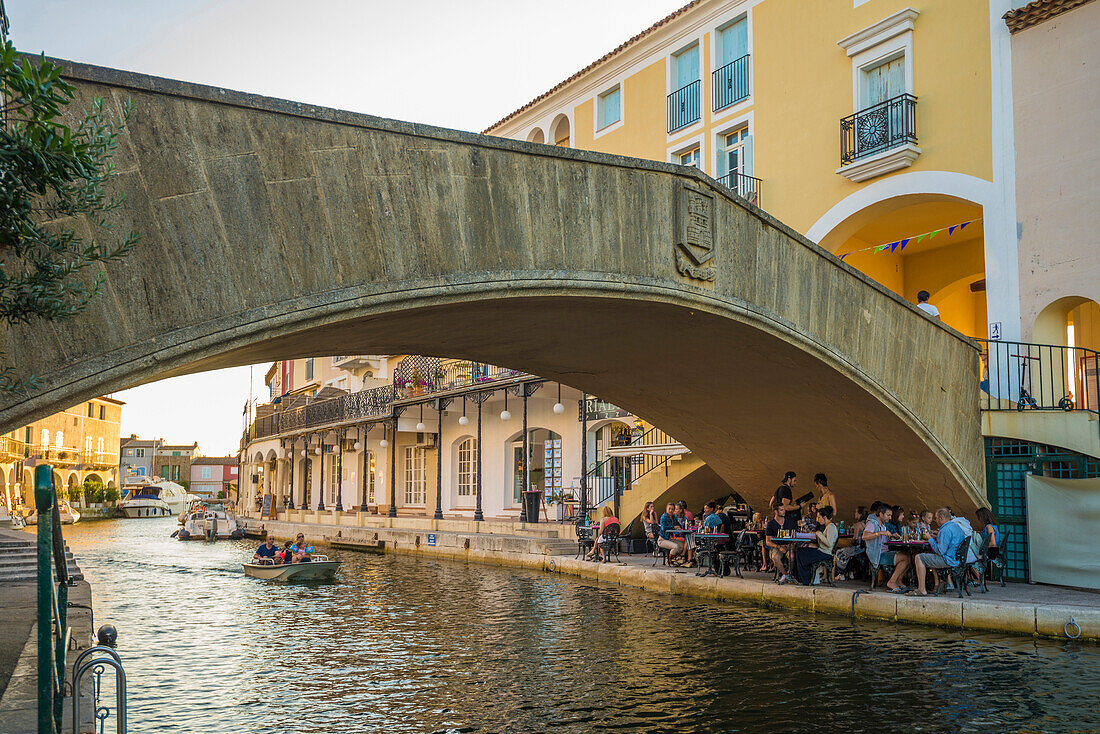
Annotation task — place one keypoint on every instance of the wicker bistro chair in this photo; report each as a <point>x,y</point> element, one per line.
<point>608,543</point>
<point>584,540</point>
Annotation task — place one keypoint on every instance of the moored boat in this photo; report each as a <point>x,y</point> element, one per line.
<point>64,509</point>
<point>210,521</point>
<point>319,568</point>
<point>154,499</point>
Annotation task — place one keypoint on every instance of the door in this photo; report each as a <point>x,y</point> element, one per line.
<point>687,66</point>
<point>517,472</point>
<point>882,127</point>
<point>734,42</point>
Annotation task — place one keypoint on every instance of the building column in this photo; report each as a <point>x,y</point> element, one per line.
<point>321,486</point>
<point>364,469</point>
<point>340,474</point>
<point>526,484</point>
<point>393,471</point>
<point>292,468</point>
<point>584,455</point>
<point>439,462</point>
<point>477,513</point>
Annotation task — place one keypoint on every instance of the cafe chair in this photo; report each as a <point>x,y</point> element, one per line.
<point>584,539</point>
<point>608,543</point>
<point>958,573</point>
<point>827,569</point>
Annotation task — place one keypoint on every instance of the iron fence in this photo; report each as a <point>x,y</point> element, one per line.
<point>878,128</point>
<point>1024,376</point>
<point>683,106</point>
<point>746,187</point>
<point>730,83</point>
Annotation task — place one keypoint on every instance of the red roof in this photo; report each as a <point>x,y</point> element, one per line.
<point>617,50</point>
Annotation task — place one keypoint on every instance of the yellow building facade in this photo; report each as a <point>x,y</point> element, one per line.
<point>860,123</point>
<point>80,443</point>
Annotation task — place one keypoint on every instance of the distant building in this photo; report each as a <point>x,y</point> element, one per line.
<point>211,475</point>
<point>174,462</point>
<point>80,443</point>
<point>136,457</point>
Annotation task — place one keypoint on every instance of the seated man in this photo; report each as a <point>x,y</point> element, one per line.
<point>953,530</point>
<point>670,521</point>
<point>776,551</point>
<point>267,550</point>
<point>875,534</point>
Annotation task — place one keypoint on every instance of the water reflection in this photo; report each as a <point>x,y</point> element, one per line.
<point>409,645</point>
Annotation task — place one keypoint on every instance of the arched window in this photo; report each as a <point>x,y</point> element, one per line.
<point>467,468</point>
<point>45,438</point>
<point>59,439</point>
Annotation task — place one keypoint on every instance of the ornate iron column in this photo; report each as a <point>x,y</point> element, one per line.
<point>363,506</point>
<point>440,405</point>
<point>290,492</point>
<point>477,513</point>
<point>584,455</point>
<point>321,486</point>
<point>393,470</point>
<point>340,474</point>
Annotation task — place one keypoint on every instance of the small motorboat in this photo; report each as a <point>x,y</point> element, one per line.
<point>64,509</point>
<point>319,568</point>
<point>154,499</point>
<point>211,521</point>
<point>11,520</point>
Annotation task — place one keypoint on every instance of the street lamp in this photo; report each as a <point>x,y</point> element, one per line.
<point>558,407</point>
<point>504,414</point>
<point>463,420</point>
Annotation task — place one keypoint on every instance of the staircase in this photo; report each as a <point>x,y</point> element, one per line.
<point>19,559</point>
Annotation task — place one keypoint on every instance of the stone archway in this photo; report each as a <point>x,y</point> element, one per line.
<point>610,265</point>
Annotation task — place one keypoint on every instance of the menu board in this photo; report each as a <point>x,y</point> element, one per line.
<point>267,506</point>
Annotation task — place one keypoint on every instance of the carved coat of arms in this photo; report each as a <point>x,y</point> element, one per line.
<point>695,233</point>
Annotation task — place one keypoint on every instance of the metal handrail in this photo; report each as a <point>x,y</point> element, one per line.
<point>730,83</point>
<point>683,106</point>
<point>606,490</point>
<point>96,666</point>
<point>745,186</point>
<point>1031,376</point>
<point>878,128</point>
<point>53,602</point>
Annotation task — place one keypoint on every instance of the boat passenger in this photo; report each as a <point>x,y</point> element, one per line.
<point>301,550</point>
<point>267,550</point>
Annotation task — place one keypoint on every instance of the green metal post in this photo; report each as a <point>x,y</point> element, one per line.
<point>62,573</point>
<point>43,504</point>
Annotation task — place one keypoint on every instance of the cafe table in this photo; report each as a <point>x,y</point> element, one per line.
<point>706,544</point>
<point>912,547</point>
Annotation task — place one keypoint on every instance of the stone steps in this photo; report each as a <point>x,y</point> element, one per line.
<point>19,561</point>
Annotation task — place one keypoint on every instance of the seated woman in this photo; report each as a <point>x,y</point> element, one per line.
<point>669,522</point>
<point>650,522</point>
<point>822,549</point>
<point>987,521</point>
<point>301,550</point>
<point>608,518</point>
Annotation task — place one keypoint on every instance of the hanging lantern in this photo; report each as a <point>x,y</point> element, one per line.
<point>420,426</point>
<point>558,407</point>
<point>358,445</point>
<point>504,414</point>
<point>462,419</point>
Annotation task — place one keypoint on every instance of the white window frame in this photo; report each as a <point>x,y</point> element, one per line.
<point>416,483</point>
<point>878,43</point>
<point>370,467</point>
<point>737,108</point>
<point>466,477</point>
<point>334,480</point>
<point>597,130</point>
<point>670,86</point>
<point>206,472</point>
<point>686,146</point>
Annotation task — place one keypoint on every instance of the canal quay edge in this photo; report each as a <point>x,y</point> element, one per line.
<point>540,551</point>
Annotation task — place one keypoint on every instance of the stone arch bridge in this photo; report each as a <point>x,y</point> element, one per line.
<point>275,230</point>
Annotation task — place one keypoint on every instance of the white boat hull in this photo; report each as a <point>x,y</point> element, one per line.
<point>145,508</point>
<point>312,570</point>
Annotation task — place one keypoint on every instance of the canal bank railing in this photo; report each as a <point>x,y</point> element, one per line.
<point>53,602</point>
<point>54,632</point>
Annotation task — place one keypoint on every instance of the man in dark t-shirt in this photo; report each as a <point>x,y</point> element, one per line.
<point>267,550</point>
<point>784,499</point>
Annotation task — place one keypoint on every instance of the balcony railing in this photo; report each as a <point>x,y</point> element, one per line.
<point>730,83</point>
<point>746,187</point>
<point>56,454</point>
<point>99,458</point>
<point>12,449</point>
<point>1021,376</point>
<point>683,106</point>
<point>417,376</point>
<point>887,125</point>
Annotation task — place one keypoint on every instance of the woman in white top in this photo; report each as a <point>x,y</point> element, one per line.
<point>825,542</point>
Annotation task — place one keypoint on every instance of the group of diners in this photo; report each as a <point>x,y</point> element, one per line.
<point>675,530</point>
<point>805,532</point>
<point>295,551</point>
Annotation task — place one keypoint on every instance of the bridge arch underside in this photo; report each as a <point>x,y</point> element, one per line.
<point>741,390</point>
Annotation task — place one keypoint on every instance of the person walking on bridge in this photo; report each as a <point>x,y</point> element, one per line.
<point>928,308</point>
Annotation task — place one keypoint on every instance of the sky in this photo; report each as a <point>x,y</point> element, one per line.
<point>455,63</point>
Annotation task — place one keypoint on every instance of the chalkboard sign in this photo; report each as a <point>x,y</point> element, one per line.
<point>267,507</point>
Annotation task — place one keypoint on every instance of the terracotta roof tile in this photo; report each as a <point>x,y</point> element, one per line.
<point>1037,12</point>
<point>614,52</point>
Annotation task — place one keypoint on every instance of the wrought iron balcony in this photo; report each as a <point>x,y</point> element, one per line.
<point>746,187</point>
<point>98,458</point>
<point>57,454</point>
<point>730,83</point>
<point>884,126</point>
<point>683,106</point>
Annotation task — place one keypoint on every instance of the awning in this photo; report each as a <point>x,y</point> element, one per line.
<point>660,449</point>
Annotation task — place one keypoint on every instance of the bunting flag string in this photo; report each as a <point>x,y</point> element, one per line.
<point>899,245</point>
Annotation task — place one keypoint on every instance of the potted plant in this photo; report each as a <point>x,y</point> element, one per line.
<point>111,495</point>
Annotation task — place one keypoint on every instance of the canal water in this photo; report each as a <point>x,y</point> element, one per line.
<point>399,644</point>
